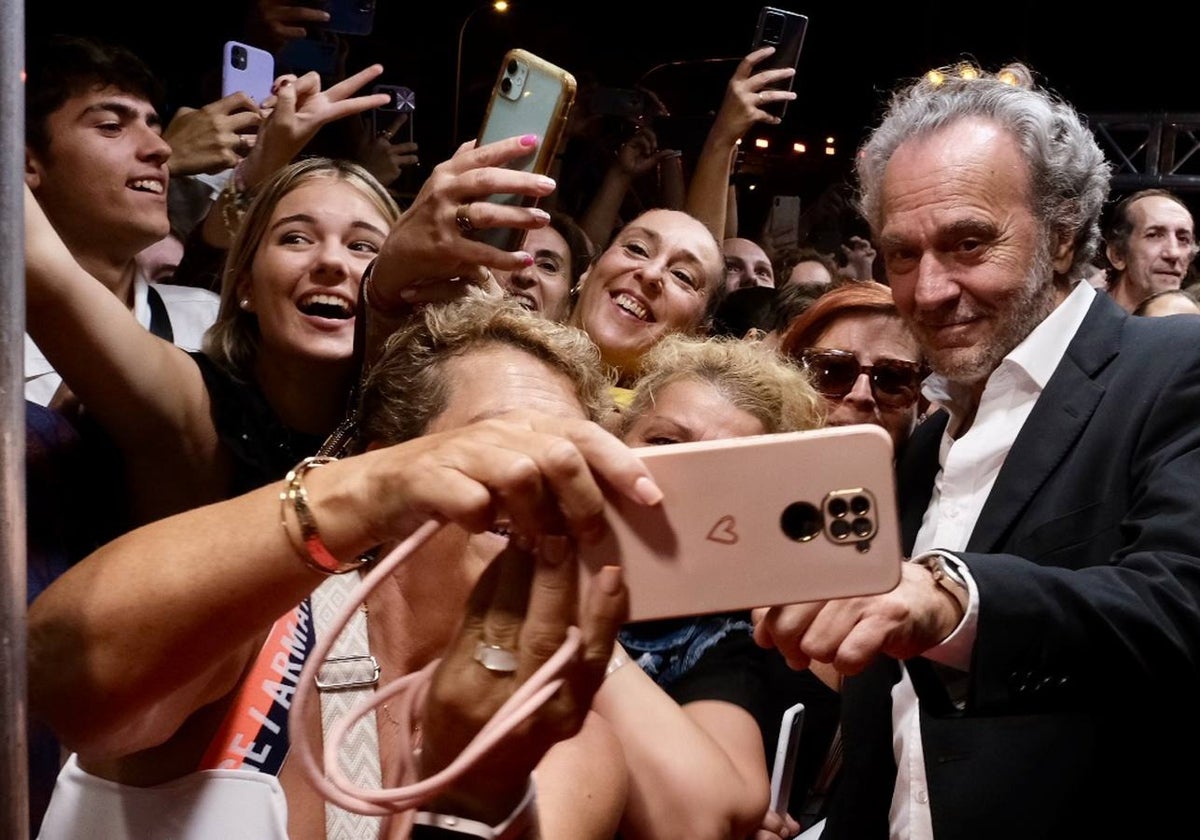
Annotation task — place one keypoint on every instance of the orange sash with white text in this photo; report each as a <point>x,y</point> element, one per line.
<point>254,733</point>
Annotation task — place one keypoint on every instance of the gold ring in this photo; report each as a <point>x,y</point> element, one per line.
<point>463,219</point>
<point>496,658</point>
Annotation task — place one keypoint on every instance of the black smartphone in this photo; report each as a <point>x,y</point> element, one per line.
<point>390,118</point>
<point>784,30</point>
<point>350,17</point>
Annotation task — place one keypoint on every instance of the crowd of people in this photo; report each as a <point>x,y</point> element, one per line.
<point>254,369</point>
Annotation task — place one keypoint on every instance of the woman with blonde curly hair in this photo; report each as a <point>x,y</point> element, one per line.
<point>693,389</point>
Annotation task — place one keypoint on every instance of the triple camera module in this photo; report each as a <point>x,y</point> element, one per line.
<point>845,517</point>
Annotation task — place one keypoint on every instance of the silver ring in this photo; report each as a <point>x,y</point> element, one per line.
<point>463,219</point>
<point>496,658</point>
<point>760,98</point>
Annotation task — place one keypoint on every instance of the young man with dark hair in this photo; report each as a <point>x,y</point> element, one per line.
<point>96,161</point>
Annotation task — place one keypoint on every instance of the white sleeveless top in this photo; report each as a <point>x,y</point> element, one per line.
<point>205,805</point>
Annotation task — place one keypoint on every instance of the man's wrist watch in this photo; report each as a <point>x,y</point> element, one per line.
<point>946,577</point>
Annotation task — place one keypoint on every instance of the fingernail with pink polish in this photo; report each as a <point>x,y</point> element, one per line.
<point>546,182</point>
<point>539,214</point>
<point>529,140</point>
<point>525,257</point>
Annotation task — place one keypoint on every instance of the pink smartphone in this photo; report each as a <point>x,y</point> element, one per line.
<point>758,521</point>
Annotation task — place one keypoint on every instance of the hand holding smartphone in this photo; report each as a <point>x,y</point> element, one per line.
<point>784,30</point>
<point>247,69</point>
<point>530,96</point>
<point>783,769</point>
<point>395,121</point>
<point>757,521</point>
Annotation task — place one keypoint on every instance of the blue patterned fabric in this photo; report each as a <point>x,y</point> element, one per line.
<point>667,649</point>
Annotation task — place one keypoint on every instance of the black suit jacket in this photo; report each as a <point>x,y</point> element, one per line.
<point>1083,712</point>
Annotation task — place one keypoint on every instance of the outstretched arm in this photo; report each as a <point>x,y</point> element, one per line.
<point>149,628</point>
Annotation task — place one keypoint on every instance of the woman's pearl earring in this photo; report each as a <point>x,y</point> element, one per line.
<point>244,303</point>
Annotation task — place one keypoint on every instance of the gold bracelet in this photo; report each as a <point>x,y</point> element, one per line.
<point>311,548</point>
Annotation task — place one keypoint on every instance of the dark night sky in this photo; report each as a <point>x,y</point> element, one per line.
<point>853,54</point>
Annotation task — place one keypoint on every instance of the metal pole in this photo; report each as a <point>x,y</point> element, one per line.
<point>14,768</point>
<point>458,77</point>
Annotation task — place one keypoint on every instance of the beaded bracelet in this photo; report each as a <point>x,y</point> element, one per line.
<point>311,548</point>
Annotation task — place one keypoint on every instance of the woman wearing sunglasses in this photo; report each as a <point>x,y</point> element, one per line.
<point>861,358</point>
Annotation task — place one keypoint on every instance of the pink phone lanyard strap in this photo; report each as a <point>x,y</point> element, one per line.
<point>410,691</point>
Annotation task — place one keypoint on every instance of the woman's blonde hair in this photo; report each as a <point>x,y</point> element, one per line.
<point>750,375</point>
<point>233,339</point>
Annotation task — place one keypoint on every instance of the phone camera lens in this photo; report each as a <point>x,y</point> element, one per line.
<point>506,85</point>
<point>512,68</point>
<point>238,57</point>
<point>861,526</point>
<point>800,521</point>
<point>838,508</point>
<point>860,505</point>
<point>840,529</point>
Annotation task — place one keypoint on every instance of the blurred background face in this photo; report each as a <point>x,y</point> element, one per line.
<point>746,264</point>
<point>545,286</point>
<point>874,340</point>
<point>811,276</point>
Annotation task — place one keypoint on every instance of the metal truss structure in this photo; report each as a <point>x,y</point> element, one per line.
<point>1151,150</point>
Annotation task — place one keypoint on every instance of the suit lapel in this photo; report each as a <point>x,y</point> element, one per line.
<point>1058,419</point>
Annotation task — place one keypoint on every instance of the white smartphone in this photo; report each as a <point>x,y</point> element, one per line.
<point>783,769</point>
<point>247,69</point>
<point>530,96</point>
<point>782,228</point>
<point>757,521</point>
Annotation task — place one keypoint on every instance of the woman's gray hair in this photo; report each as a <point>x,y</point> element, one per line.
<point>1069,176</point>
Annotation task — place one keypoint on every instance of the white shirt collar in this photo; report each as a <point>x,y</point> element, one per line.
<point>1037,355</point>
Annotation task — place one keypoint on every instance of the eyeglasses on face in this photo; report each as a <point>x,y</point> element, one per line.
<point>894,383</point>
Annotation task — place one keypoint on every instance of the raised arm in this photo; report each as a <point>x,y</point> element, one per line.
<point>741,108</point>
<point>298,110</point>
<point>147,393</point>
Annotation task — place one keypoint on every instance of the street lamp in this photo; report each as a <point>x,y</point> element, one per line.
<point>496,5</point>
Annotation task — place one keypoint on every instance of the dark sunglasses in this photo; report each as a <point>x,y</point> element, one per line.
<point>894,383</point>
